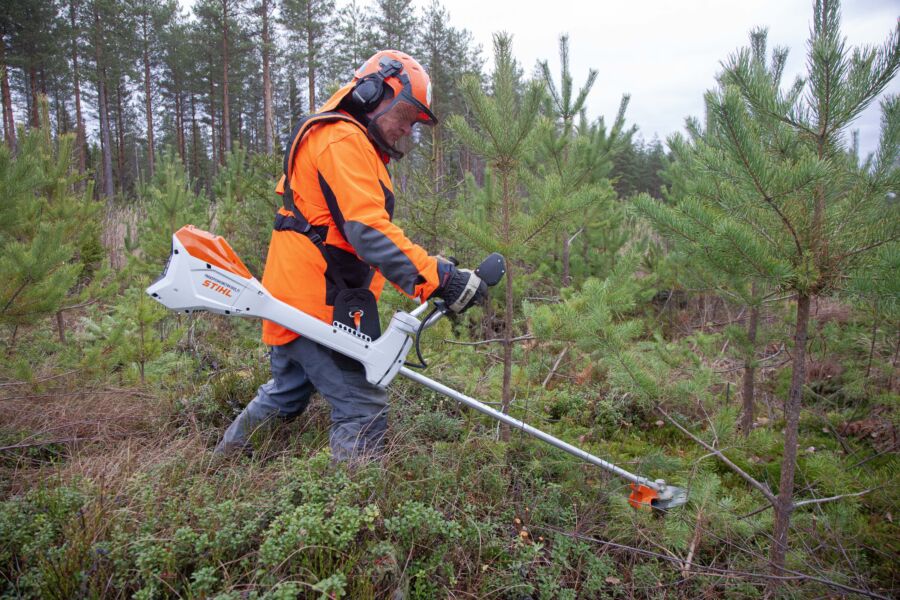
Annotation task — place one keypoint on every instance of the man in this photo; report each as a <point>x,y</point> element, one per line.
<point>334,246</point>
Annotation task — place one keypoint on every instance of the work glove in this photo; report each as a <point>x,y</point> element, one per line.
<point>459,288</point>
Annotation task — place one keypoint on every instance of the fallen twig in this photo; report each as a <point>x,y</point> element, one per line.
<point>707,570</point>
<point>686,569</point>
<point>761,487</point>
<point>521,338</point>
<point>555,366</point>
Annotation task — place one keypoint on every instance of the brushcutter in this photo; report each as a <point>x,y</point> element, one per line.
<point>204,274</point>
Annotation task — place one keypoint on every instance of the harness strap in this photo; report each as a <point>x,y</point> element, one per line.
<point>298,222</point>
<point>300,130</point>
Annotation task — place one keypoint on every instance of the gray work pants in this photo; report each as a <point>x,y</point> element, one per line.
<point>358,408</point>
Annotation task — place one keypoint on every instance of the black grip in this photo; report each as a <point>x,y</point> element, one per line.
<point>492,269</point>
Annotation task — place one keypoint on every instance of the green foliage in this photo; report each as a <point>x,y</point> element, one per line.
<point>505,128</point>
<point>506,118</point>
<point>169,205</point>
<point>599,320</point>
<point>639,168</point>
<point>245,204</point>
<point>777,193</point>
<point>766,197</point>
<point>38,526</point>
<point>48,233</point>
<point>131,336</point>
<point>314,526</point>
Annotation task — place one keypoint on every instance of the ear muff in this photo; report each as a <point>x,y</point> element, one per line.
<point>370,89</point>
<point>368,92</point>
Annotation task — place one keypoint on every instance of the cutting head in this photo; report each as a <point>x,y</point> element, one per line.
<point>668,496</point>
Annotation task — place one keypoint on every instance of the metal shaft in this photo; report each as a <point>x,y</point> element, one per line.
<point>522,426</point>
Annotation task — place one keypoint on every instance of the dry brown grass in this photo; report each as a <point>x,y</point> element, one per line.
<point>97,432</point>
<point>80,413</point>
<point>830,310</point>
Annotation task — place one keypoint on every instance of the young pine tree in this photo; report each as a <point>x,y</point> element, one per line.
<point>245,204</point>
<point>129,336</point>
<point>575,159</point>
<point>48,234</point>
<point>783,203</point>
<point>715,270</point>
<point>504,124</point>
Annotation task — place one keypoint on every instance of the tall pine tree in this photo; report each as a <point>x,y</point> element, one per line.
<point>309,25</point>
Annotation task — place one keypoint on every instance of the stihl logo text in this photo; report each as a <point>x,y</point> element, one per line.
<point>217,288</point>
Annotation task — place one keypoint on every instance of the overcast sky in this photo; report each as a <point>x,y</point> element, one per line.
<point>665,53</point>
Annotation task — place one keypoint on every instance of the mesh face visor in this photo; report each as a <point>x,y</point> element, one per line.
<point>396,128</point>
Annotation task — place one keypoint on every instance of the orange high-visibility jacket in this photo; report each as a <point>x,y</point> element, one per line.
<point>340,181</point>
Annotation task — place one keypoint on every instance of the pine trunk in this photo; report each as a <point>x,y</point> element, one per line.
<point>148,99</point>
<point>226,109</point>
<point>221,149</point>
<point>120,138</point>
<point>506,398</point>
<point>61,326</point>
<point>179,123</point>
<point>310,58</point>
<point>784,506</point>
<point>9,123</point>
<point>195,140</point>
<point>79,120</point>
<point>103,109</point>
<point>268,120</point>
<point>105,140</point>
<point>35,116</point>
<point>212,122</point>
<point>749,381</point>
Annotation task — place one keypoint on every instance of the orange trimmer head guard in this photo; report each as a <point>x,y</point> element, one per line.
<point>666,497</point>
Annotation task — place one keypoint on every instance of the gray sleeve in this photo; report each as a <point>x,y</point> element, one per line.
<point>379,251</point>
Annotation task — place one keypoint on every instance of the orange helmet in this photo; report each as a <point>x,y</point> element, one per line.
<point>403,74</point>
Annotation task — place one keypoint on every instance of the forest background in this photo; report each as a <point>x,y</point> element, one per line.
<point>720,311</point>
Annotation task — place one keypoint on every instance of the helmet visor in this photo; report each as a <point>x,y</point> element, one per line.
<point>426,117</point>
